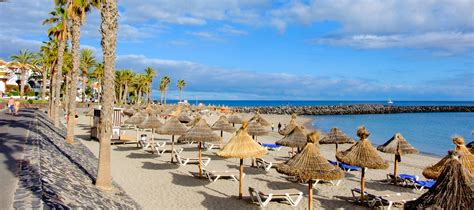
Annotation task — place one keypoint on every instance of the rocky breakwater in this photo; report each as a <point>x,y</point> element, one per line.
<point>350,109</point>
<point>56,175</point>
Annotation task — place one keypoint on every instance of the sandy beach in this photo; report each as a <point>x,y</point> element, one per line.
<point>154,182</point>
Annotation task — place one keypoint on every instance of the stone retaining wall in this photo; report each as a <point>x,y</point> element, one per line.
<point>351,109</point>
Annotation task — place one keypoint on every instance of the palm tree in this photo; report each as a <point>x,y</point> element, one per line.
<point>150,74</point>
<point>60,33</point>
<point>49,51</point>
<point>87,62</point>
<point>23,62</point>
<point>109,27</point>
<point>98,74</point>
<point>165,81</point>
<point>76,11</point>
<point>118,85</point>
<point>180,85</point>
<point>139,84</point>
<point>162,91</point>
<point>127,78</point>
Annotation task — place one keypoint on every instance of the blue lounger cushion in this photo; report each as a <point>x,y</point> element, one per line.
<point>271,145</point>
<point>346,167</point>
<point>426,183</point>
<point>408,177</point>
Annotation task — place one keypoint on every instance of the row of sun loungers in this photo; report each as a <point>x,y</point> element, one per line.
<point>411,180</point>
<point>263,198</point>
<point>389,199</point>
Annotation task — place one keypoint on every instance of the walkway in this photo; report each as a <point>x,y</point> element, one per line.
<point>14,131</point>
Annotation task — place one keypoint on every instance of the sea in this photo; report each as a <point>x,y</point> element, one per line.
<point>430,133</point>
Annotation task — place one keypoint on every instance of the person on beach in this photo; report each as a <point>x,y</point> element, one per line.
<point>17,106</point>
<point>279,126</point>
<point>11,103</point>
<point>273,126</point>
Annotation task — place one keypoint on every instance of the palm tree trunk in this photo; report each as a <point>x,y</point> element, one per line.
<point>43,87</point>
<point>22,82</point>
<point>57,85</point>
<point>66,93</point>
<point>99,91</point>
<point>71,112</point>
<point>125,93</point>
<point>83,92</point>
<point>109,28</point>
<point>180,91</point>
<point>52,84</point>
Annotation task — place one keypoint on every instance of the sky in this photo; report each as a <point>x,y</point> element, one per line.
<point>281,49</point>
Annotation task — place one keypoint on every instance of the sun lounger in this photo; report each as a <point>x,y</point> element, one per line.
<point>295,179</point>
<point>211,146</point>
<point>389,199</point>
<point>184,161</point>
<point>346,167</point>
<point>215,175</point>
<point>263,198</point>
<point>274,147</point>
<point>411,180</point>
<point>267,165</point>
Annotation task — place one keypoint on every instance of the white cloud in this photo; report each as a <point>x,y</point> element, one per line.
<point>231,30</point>
<point>444,41</point>
<point>11,45</point>
<point>205,35</point>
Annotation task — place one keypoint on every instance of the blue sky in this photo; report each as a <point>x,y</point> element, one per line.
<point>283,49</point>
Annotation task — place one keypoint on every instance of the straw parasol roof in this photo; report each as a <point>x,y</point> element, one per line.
<point>241,146</point>
<point>136,119</point>
<point>362,153</point>
<point>260,120</point>
<point>454,189</point>
<point>256,129</point>
<point>297,138</point>
<point>223,124</point>
<point>235,119</point>
<point>184,118</point>
<point>397,145</point>
<point>309,164</point>
<point>433,171</point>
<point>200,132</point>
<point>151,122</point>
<point>129,111</point>
<point>336,136</point>
<point>291,125</point>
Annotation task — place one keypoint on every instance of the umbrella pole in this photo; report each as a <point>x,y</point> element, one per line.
<point>200,166</point>
<point>172,148</point>
<point>152,140</point>
<point>138,137</point>
<point>241,169</point>
<point>395,166</point>
<point>310,194</point>
<point>362,184</point>
<point>222,133</point>
<point>337,162</point>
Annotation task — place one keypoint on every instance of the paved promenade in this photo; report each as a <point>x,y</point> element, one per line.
<point>14,131</point>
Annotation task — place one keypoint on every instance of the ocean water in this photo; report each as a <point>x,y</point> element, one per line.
<point>318,103</point>
<point>428,132</point>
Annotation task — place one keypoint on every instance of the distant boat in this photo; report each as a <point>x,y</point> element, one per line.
<point>389,101</point>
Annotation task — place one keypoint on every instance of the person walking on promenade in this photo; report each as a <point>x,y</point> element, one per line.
<point>279,126</point>
<point>273,126</point>
<point>17,106</point>
<point>11,103</point>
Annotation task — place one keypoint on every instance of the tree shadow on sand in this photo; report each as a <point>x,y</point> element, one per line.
<point>215,202</point>
<point>278,185</point>
<point>135,155</point>
<point>126,148</point>
<point>249,170</point>
<point>159,166</point>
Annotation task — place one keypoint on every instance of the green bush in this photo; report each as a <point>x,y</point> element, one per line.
<point>30,101</point>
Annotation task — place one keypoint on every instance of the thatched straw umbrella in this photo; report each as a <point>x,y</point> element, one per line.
<point>242,146</point>
<point>184,118</point>
<point>296,138</point>
<point>235,119</point>
<point>290,126</point>
<point>223,124</point>
<point>399,146</point>
<point>256,129</point>
<point>309,164</point>
<point>200,132</point>
<point>172,127</point>
<point>467,160</point>
<point>453,189</point>
<point>336,136</point>
<point>471,146</point>
<point>129,111</point>
<point>136,119</point>
<point>258,118</point>
<point>153,123</point>
<point>362,154</point>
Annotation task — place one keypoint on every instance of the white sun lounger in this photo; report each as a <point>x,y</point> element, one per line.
<point>263,198</point>
<point>383,199</point>
<point>184,161</point>
<point>267,165</point>
<point>294,179</point>
<point>215,175</point>
<point>211,146</point>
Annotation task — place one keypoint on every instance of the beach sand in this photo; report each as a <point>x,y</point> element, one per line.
<point>155,183</point>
